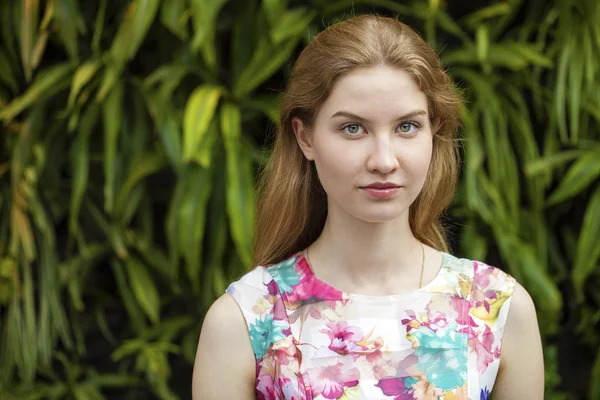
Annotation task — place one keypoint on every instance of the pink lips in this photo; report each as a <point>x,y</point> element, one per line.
<point>382,190</point>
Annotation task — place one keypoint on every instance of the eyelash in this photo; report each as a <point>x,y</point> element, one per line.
<point>416,124</point>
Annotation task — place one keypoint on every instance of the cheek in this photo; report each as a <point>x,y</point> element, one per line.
<point>418,161</point>
<point>335,163</point>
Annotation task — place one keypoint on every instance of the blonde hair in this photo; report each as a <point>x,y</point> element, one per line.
<point>292,204</point>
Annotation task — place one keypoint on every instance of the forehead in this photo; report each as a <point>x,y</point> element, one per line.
<point>375,90</point>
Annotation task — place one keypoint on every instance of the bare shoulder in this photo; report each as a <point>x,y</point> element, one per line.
<point>522,309</point>
<point>521,373</point>
<point>224,349</point>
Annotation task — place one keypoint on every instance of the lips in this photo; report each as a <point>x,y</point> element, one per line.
<point>381,186</point>
<point>382,190</point>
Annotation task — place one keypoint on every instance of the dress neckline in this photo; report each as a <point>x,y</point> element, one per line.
<point>310,274</point>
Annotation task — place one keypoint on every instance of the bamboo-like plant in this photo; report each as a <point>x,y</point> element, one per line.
<point>132,133</point>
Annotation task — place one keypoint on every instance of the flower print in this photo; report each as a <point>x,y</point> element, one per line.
<point>285,351</point>
<point>332,376</point>
<point>399,387</point>
<point>425,390</point>
<point>489,308</point>
<point>440,311</point>
<point>482,345</point>
<point>265,388</point>
<point>264,332</point>
<point>343,337</point>
<point>263,304</point>
<point>285,275</point>
<point>442,355</point>
<point>311,289</point>
<point>383,367</point>
<point>485,394</point>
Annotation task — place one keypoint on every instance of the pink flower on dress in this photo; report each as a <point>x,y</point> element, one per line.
<point>331,377</point>
<point>396,386</point>
<point>343,338</point>
<point>311,289</point>
<point>482,344</point>
<point>265,388</point>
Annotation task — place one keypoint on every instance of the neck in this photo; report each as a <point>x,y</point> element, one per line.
<point>366,253</point>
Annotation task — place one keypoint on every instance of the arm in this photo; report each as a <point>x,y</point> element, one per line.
<point>521,373</point>
<point>225,367</point>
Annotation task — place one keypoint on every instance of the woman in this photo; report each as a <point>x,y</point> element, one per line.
<point>355,295</point>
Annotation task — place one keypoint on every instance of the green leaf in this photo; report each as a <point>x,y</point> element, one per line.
<point>143,288</point>
<point>576,66</point>
<point>550,162</point>
<point>150,163</point>
<point>173,16</point>
<point>265,61</point>
<point>113,234</point>
<point>474,19</point>
<point>30,13</point>
<point>205,149</point>
<point>292,25</point>
<point>482,42</point>
<point>274,9</point>
<point>529,53</point>
<point>170,135</point>
<point>583,172</point>
<point>564,65</point>
<point>199,112</point>
<point>48,82</point>
<point>133,29</point>
<point>204,16</point>
<point>112,381</point>
<point>112,116</point>
<point>6,73</point>
<point>99,25</point>
<point>267,104</point>
<point>536,278</point>
<point>240,185</point>
<point>69,22</point>
<point>447,23</point>
<point>82,76</point>
<point>129,347</point>
<point>192,220</point>
<point>80,154</point>
<point>588,251</point>
<point>472,243</point>
<point>243,37</point>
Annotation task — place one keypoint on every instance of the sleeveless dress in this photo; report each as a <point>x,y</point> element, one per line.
<point>312,341</point>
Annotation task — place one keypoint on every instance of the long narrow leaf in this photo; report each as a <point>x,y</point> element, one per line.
<point>588,251</point>
<point>240,185</point>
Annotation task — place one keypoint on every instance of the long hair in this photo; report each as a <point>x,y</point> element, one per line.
<point>292,205</point>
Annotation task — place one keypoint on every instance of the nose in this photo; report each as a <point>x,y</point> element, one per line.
<point>382,157</point>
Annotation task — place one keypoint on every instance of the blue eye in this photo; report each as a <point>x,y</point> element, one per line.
<point>408,127</point>
<point>352,129</point>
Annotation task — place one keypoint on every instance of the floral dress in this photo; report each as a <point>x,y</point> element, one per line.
<point>312,341</point>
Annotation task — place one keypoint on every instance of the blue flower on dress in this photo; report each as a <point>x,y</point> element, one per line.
<point>442,356</point>
<point>485,394</point>
<point>285,275</point>
<point>265,332</point>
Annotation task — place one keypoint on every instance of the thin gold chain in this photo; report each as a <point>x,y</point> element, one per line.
<point>422,263</point>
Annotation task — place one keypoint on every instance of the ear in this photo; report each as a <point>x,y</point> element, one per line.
<point>303,137</point>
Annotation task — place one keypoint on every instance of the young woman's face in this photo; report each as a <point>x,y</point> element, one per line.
<point>371,143</point>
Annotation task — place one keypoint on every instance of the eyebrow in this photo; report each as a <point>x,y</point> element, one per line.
<point>347,114</point>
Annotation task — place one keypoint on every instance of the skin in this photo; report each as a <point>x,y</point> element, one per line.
<point>374,127</point>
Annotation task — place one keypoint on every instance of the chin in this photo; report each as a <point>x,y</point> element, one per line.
<point>381,215</point>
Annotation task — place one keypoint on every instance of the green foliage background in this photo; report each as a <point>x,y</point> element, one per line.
<point>132,131</point>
